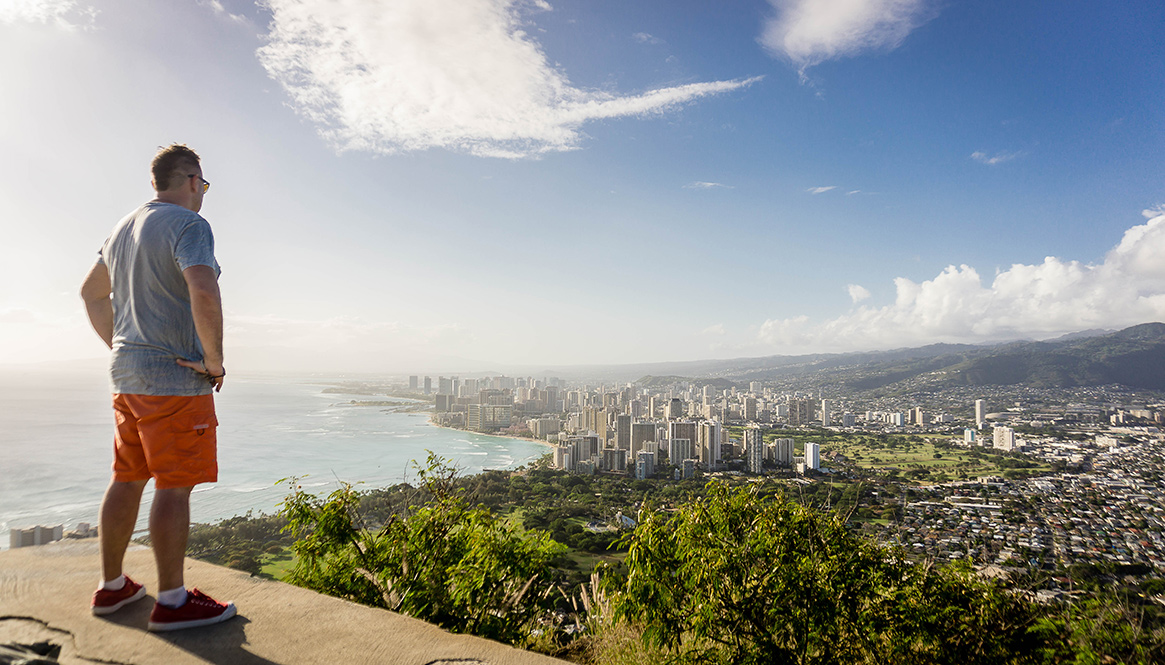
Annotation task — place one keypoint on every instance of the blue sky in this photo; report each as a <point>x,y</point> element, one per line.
<point>459,185</point>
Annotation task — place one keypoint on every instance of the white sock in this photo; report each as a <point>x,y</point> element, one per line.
<point>114,584</point>
<point>173,597</point>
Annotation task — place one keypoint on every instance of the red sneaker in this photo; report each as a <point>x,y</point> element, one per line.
<point>108,602</point>
<point>198,610</point>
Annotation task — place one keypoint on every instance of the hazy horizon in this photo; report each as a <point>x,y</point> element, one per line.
<point>522,183</point>
<point>467,367</point>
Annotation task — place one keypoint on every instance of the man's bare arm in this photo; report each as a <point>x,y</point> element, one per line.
<point>95,292</point>
<point>206,306</point>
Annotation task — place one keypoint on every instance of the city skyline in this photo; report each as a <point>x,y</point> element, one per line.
<point>492,182</point>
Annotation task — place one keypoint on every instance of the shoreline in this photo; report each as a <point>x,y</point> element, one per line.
<point>496,436</point>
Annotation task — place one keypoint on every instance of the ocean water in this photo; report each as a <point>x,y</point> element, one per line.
<point>56,440</point>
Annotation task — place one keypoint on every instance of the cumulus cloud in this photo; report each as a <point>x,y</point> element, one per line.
<point>1041,301</point>
<point>820,190</point>
<point>997,158</point>
<point>646,38</point>
<point>857,292</point>
<point>808,32</point>
<point>464,75</point>
<point>699,184</point>
<point>64,14</point>
<point>717,330</point>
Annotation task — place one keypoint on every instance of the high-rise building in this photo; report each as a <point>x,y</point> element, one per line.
<point>1004,438</point>
<point>754,449</point>
<point>848,419</point>
<point>800,411</point>
<point>643,438</point>
<point>689,469</point>
<point>825,407</point>
<point>623,431</point>
<point>487,417</point>
<point>582,447</point>
<point>812,455</point>
<point>414,383</point>
<point>562,458</point>
<point>444,386</point>
<point>428,384</point>
<point>654,406</point>
<point>614,459</point>
<point>749,407</point>
<point>917,416</point>
<point>635,408</point>
<point>644,465</point>
<point>783,450</point>
<point>682,429</point>
<point>969,436</point>
<point>675,408</point>
<point>754,387</point>
<point>708,443</point>
<point>542,427</point>
<point>678,450</point>
<point>980,413</point>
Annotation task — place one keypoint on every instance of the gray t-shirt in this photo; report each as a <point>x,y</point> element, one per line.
<point>152,322</point>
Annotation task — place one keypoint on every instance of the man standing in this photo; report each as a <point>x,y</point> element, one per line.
<point>163,324</point>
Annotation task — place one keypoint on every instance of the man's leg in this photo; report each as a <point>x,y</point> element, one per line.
<point>119,514</point>
<point>169,529</point>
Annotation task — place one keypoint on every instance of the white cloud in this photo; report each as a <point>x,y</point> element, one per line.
<point>464,75</point>
<point>222,12</point>
<point>717,330</point>
<point>705,185</point>
<point>1039,301</point>
<point>857,292</point>
<point>645,38</point>
<point>997,158</point>
<point>808,32</point>
<point>64,14</point>
<point>853,191</point>
<point>820,190</point>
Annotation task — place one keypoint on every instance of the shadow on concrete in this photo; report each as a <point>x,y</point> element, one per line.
<point>222,643</point>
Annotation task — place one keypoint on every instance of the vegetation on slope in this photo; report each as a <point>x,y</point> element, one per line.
<point>731,573</point>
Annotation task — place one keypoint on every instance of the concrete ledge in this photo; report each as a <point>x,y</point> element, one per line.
<point>45,593</point>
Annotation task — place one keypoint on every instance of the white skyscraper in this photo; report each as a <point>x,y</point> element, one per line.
<point>754,449</point>
<point>825,406</point>
<point>812,455</point>
<point>1004,438</point>
<point>980,413</point>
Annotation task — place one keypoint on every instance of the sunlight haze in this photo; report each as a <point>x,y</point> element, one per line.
<point>470,185</point>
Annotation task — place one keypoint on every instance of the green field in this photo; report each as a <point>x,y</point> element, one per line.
<point>911,455</point>
<point>277,566</point>
<point>921,457</point>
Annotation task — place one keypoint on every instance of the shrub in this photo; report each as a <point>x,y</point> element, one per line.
<point>446,562</point>
<point>733,578</point>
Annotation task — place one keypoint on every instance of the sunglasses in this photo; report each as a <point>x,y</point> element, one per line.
<point>205,182</point>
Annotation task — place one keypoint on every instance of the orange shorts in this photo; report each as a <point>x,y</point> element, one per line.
<point>168,438</point>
